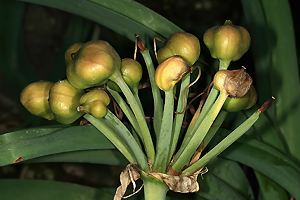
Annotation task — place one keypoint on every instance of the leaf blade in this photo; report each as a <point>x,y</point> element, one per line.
<point>62,140</point>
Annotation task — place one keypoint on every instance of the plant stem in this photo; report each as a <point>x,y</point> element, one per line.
<point>223,64</point>
<point>135,93</point>
<point>226,142</point>
<point>197,119</point>
<point>165,136</point>
<point>155,92</point>
<point>128,138</point>
<point>214,128</point>
<point>112,136</point>
<point>181,106</point>
<point>188,151</point>
<point>126,110</point>
<point>154,189</point>
<point>139,115</point>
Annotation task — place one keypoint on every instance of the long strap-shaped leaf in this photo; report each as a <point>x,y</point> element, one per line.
<point>275,58</point>
<point>44,141</point>
<point>49,190</point>
<point>273,166</point>
<point>125,17</point>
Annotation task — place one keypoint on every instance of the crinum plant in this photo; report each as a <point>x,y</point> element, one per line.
<point>96,75</point>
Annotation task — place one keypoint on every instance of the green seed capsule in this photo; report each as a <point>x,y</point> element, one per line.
<point>131,71</point>
<point>95,95</point>
<point>181,44</point>
<point>227,42</point>
<point>95,62</point>
<point>96,108</point>
<point>233,104</point>
<point>169,72</point>
<point>34,98</point>
<point>94,102</point>
<point>64,100</point>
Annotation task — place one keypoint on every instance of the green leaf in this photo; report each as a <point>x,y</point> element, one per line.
<point>125,17</point>
<point>49,190</point>
<point>214,188</point>
<point>269,189</point>
<point>11,13</point>
<point>25,134</point>
<point>106,157</point>
<point>275,167</point>
<point>232,174</point>
<point>276,64</point>
<point>43,141</point>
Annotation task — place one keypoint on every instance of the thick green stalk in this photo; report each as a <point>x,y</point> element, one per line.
<point>223,64</point>
<point>128,138</point>
<point>126,110</point>
<point>112,136</point>
<point>139,115</point>
<point>135,93</point>
<point>188,151</point>
<point>181,106</point>
<point>226,142</point>
<point>212,96</point>
<point>214,128</point>
<point>158,109</point>
<point>154,189</point>
<point>165,136</point>
<point>197,120</point>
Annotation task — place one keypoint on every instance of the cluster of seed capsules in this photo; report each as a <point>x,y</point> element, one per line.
<point>96,63</point>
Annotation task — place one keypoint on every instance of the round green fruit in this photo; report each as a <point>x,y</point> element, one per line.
<point>34,98</point>
<point>64,100</point>
<point>227,42</point>
<point>181,44</point>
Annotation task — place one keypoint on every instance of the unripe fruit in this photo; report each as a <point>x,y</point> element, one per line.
<point>181,44</point>
<point>95,95</point>
<point>95,62</point>
<point>131,71</point>
<point>71,51</point>
<point>94,102</point>
<point>64,100</point>
<point>227,42</point>
<point>169,72</point>
<point>233,104</point>
<point>34,98</point>
<point>235,83</point>
<point>96,108</point>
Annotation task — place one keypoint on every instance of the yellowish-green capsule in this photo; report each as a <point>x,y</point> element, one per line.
<point>227,42</point>
<point>34,98</point>
<point>181,44</point>
<point>233,104</point>
<point>64,100</point>
<point>131,71</point>
<point>94,102</point>
<point>95,62</point>
<point>169,72</point>
<point>96,108</point>
<point>96,94</point>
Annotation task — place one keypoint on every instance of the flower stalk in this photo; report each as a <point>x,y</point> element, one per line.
<point>154,189</point>
<point>140,117</point>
